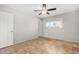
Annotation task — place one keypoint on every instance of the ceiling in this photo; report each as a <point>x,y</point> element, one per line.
<point>29,8</point>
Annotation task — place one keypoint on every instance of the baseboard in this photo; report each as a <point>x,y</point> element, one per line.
<point>68,40</point>
<point>34,37</point>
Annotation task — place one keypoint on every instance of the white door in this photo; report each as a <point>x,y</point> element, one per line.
<point>6,29</point>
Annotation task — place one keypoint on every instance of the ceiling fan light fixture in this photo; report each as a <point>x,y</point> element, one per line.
<point>44,10</point>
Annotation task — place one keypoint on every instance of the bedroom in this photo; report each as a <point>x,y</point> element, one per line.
<point>23,30</point>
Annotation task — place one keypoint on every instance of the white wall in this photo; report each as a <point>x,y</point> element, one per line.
<point>25,25</point>
<point>70,30</point>
<point>40,27</point>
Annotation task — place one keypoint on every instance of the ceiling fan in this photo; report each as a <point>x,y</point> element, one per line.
<point>44,10</point>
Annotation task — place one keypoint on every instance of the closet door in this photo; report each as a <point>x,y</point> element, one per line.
<point>6,29</point>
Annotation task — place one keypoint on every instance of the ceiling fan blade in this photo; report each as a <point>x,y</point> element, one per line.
<point>51,9</point>
<point>47,13</point>
<point>39,13</point>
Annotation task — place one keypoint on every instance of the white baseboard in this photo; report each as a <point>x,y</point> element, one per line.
<point>65,39</point>
<point>27,39</point>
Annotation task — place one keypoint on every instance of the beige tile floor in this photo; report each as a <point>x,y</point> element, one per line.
<point>42,45</point>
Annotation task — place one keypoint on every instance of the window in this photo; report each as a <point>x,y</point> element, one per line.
<point>54,24</point>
